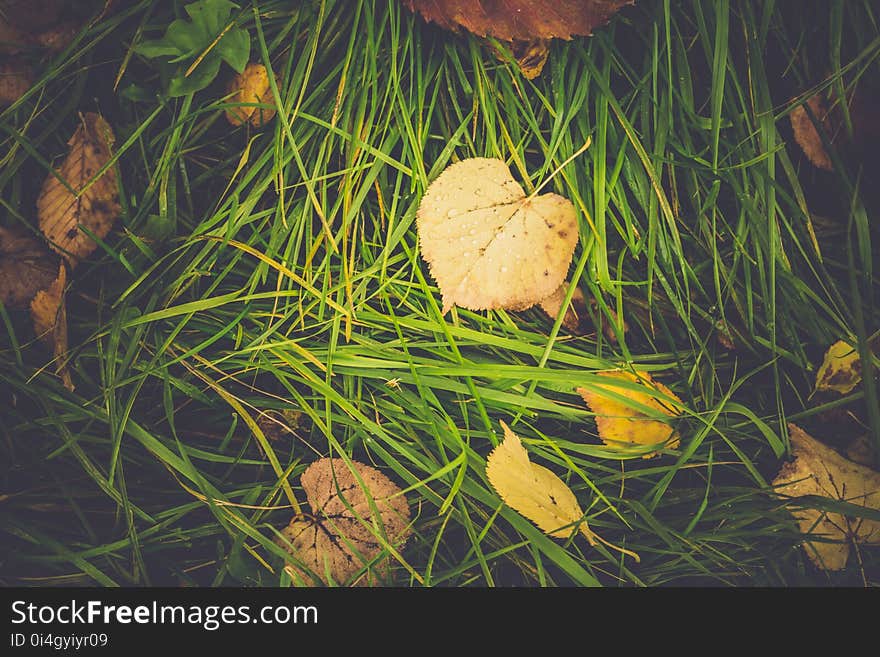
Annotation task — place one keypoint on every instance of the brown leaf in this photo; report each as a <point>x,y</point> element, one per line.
<point>250,86</point>
<point>530,56</point>
<point>488,244</point>
<point>26,267</point>
<point>522,20</point>
<point>344,536</point>
<point>819,470</point>
<point>49,315</point>
<point>15,79</point>
<point>805,133</point>
<point>95,208</point>
<point>574,314</point>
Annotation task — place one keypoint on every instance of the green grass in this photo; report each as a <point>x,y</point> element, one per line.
<point>280,269</point>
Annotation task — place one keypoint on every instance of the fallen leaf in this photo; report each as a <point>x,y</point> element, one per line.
<point>49,316</point>
<point>534,491</point>
<point>250,86</point>
<point>95,208</point>
<point>523,20</point>
<point>343,536</point>
<point>805,133</point>
<point>277,424</point>
<point>530,56</point>
<point>574,314</point>
<point>488,244</point>
<point>15,79</point>
<point>841,369</point>
<point>58,37</point>
<point>622,424</point>
<point>819,470</point>
<point>26,267</point>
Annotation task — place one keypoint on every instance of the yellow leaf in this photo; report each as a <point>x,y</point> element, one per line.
<point>819,470</point>
<point>250,86</point>
<point>627,423</point>
<point>841,370</point>
<point>488,244</point>
<point>533,490</point>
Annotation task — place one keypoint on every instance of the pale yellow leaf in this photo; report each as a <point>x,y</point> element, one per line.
<point>488,244</point>
<point>532,490</point>
<point>622,424</point>
<point>819,470</point>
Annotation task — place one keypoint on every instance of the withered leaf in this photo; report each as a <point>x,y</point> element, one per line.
<point>95,208</point>
<point>519,19</point>
<point>49,315</point>
<point>488,244</point>
<point>530,56</point>
<point>841,369</point>
<point>250,86</point>
<point>344,536</point>
<point>819,470</point>
<point>26,267</point>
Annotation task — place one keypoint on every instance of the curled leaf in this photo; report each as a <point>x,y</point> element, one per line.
<point>530,56</point>
<point>519,19</point>
<point>250,86</point>
<point>354,518</point>
<point>488,244</point>
<point>49,315</point>
<point>622,417</point>
<point>534,491</point>
<point>26,267</point>
<point>87,204</point>
<point>819,470</point>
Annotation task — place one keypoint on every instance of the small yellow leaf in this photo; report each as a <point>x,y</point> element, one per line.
<point>250,86</point>
<point>841,370</point>
<point>533,490</point>
<point>488,244</point>
<point>625,425</point>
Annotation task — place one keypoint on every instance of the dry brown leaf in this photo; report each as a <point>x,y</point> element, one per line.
<point>625,425</point>
<point>96,208</point>
<point>15,79</point>
<point>819,470</point>
<point>522,20</point>
<point>58,37</point>
<point>26,267</point>
<point>489,246</point>
<point>343,536</point>
<point>49,315</point>
<point>861,451</point>
<point>574,314</point>
<point>805,133</point>
<point>250,86</point>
